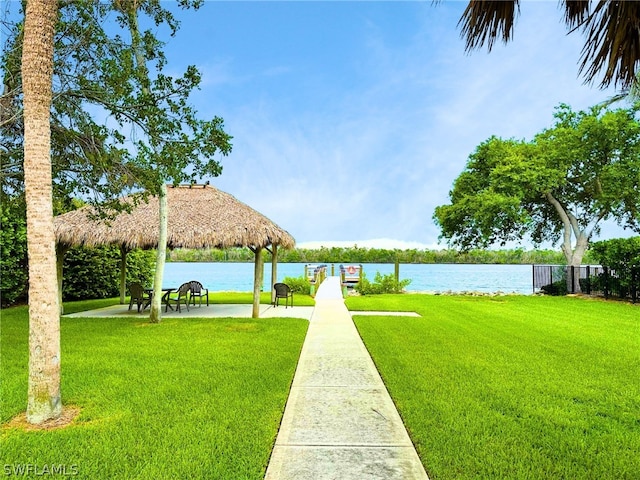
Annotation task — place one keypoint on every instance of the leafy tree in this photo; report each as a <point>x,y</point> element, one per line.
<point>610,27</point>
<point>95,68</point>
<point>561,185</point>
<point>88,159</point>
<point>338,255</point>
<point>105,72</point>
<point>173,144</point>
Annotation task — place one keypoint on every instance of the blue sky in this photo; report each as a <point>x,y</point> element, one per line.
<point>351,120</point>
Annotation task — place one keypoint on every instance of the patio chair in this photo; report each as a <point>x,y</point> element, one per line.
<point>139,296</point>
<point>197,290</point>
<point>283,291</point>
<point>180,296</point>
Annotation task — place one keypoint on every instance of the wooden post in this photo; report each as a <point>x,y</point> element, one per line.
<point>397,270</point>
<point>123,273</point>
<point>274,271</point>
<point>257,283</point>
<point>60,251</point>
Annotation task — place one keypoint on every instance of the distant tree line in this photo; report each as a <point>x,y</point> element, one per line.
<point>357,254</point>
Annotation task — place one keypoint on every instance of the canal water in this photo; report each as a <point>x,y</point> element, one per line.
<point>424,277</point>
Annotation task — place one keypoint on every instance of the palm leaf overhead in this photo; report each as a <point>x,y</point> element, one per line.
<point>611,29</point>
<point>612,43</point>
<point>576,12</point>
<point>484,21</point>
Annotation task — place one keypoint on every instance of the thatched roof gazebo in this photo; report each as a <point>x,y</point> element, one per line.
<point>199,216</point>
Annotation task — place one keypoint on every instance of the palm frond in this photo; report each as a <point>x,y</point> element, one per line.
<point>612,43</point>
<point>485,21</point>
<point>576,12</point>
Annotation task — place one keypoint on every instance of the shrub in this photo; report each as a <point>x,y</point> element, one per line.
<point>622,255</point>
<point>381,284</point>
<point>141,266</point>
<point>618,253</point>
<point>620,286</point>
<point>90,273</point>
<point>13,253</point>
<point>555,288</point>
<point>586,284</point>
<point>299,284</point>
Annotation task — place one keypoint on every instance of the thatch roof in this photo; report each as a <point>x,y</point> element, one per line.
<point>199,216</point>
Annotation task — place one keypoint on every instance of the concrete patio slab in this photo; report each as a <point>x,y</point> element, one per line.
<point>217,310</point>
<point>221,310</point>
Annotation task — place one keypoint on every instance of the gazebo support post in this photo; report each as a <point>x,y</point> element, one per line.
<point>274,270</point>
<point>60,251</point>
<point>123,273</point>
<point>257,282</point>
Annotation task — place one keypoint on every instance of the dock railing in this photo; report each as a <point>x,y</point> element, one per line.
<point>350,276</point>
<point>315,274</point>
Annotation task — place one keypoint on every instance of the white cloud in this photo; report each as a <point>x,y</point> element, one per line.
<point>369,149</point>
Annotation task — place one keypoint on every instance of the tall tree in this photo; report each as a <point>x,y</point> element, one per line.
<point>173,145</point>
<point>611,29</point>
<point>88,159</point>
<point>97,68</point>
<point>169,144</point>
<point>44,400</point>
<point>561,185</point>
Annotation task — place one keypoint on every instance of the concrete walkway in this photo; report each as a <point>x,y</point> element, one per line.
<point>339,421</point>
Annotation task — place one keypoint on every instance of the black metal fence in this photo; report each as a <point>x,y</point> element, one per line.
<point>588,279</point>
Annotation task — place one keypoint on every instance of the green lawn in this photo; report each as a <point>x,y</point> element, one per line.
<point>187,398</point>
<point>512,387</point>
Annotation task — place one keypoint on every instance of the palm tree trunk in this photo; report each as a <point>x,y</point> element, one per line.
<point>44,400</point>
